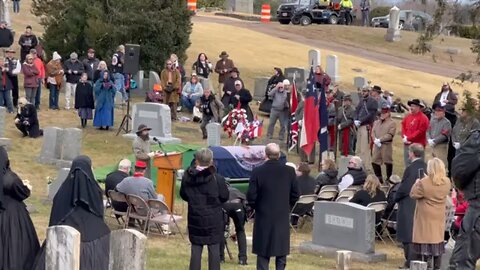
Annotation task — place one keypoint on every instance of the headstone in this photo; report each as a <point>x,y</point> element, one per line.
<point>214,132</point>
<point>355,98</point>
<point>408,23</point>
<point>314,58</point>
<point>153,79</point>
<point>360,82</point>
<point>52,145</point>
<point>332,68</point>
<point>7,14</point>
<point>127,250</point>
<point>260,85</point>
<point>343,259</point>
<point>138,78</point>
<point>340,226</point>
<point>418,265</point>
<point>118,99</point>
<point>72,143</point>
<point>31,208</point>
<point>393,31</point>
<point>243,6</point>
<point>53,187</point>
<point>300,76</point>
<point>62,248</point>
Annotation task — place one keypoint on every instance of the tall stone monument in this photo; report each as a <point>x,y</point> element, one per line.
<point>393,31</point>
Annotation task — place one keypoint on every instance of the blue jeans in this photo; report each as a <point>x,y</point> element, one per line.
<point>53,97</point>
<point>39,94</point>
<point>6,100</point>
<point>16,6</point>
<point>119,80</point>
<point>189,102</point>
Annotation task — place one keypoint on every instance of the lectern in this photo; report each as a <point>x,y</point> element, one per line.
<point>166,165</point>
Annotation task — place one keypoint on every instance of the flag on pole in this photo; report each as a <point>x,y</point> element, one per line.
<point>293,140</point>
<point>311,121</point>
<point>323,115</point>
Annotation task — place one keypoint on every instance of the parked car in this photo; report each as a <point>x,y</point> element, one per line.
<point>286,10</point>
<point>305,12</point>
<point>418,18</point>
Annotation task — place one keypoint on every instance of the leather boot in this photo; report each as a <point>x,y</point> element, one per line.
<point>377,169</point>
<point>389,167</point>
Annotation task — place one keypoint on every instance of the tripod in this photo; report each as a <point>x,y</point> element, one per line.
<point>124,126</point>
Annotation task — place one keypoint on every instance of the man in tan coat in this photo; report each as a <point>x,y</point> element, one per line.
<point>223,68</point>
<point>383,132</point>
<point>171,82</point>
<point>141,147</point>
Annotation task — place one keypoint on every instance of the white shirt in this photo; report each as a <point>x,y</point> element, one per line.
<point>347,180</point>
<point>443,97</point>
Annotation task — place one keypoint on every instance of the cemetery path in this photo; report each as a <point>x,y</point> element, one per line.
<point>423,66</point>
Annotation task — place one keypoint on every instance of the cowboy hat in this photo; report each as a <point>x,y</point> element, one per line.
<point>224,53</point>
<point>415,101</point>
<point>142,127</point>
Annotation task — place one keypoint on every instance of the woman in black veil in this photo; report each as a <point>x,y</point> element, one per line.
<point>79,204</point>
<point>18,238</point>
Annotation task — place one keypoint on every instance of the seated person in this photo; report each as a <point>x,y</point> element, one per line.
<point>390,214</point>
<point>138,184</point>
<point>114,178</point>
<point>197,111</point>
<point>192,91</point>
<point>328,175</point>
<point>370,193</point>
<point>156,95</point>
<point>355,175</point>
<point>306,186</point>
<point>398,106</point>
<point>26,120</point>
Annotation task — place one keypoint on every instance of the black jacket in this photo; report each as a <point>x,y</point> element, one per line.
<point>327,177</point>
<point>73,66</point>
<point>244,98</point>
<point>205,191</point>
<point>387,214</point>
<point>6,38</point>
<point>363,198</point>
<point>306,185</point>
<point>111,182</point>
<point>359,176</point>
<point>366,111</point>
<point>466,168</point>
<point>29,113</point>
<point>5,81</point>
<point>27,42</point>
<point>84,96</point>
<point>90,66</point>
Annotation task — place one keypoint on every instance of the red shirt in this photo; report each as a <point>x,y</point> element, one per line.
<point>415,126</point>
<point>41,68</point>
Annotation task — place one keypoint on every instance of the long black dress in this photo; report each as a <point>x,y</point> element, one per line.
<point>18,238</point>
<point>79,204</point>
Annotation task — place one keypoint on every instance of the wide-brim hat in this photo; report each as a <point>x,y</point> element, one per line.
<point>224,53</point>
<point>142,127</point>
<point>415,101</point>
<point>377,89</point>
<point>10,50</point>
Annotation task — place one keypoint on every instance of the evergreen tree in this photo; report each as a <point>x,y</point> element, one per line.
<point>160,27</point>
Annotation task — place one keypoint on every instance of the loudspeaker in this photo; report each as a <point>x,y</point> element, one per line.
<point>132,58</point>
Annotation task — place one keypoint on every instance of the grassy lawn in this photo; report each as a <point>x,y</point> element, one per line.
<point>255,55</point>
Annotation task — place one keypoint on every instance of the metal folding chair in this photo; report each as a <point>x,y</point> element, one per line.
<point>327,195</point>
<point>379,208</point>
<point>137,209</point>
<point>304,201</point>
<point>161,214</point>
<point>388,223</point>
<point>343,198</point>
<point>114,196</point>
<point>348,192</point>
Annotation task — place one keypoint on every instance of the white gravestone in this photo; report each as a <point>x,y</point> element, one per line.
<point>332,68</point>
<point>344,259</point>
<point>72,142</point>
<point>153,79</point>
<point>62,248</point>
<point>314,58</point>
<point>214,132</point>
<point>393,31</point>
<point>53,187</point>
<point>360,82</point>
<point>128,250</point>
<point>5,142</point>
<point>52,145</point>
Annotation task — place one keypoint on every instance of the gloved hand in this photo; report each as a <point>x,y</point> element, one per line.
<point>431,142</point>
<point>456,145</point>
<point>339,127</point>
<point>300,122</point>
<point>357,123</point>
<point>376,141</point>
<point>378,144</point>
<point>405,139</point>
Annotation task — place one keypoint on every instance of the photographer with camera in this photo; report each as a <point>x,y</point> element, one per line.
<point>171,84</point>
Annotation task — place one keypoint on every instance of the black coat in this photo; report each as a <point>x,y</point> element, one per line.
<point>245,98</point>
<point>229,85</point>
<point>90,66</point>
<point>327,177</point>
<point>363,198</point>
<point>306,185</point>
<point>406,205</point>
<point>73,66</point>
<point>387,214</point>
<point>272,191</point>
<point>111,182</point>
<point>29,113</point>
<point>84,96</point>
<point>205,191</point>
<point>6,38</point>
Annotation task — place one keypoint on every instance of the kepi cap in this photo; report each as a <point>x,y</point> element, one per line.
<point>140,164</point>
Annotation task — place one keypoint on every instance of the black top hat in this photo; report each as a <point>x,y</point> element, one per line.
<point>415,101</point>
<point>141,128</point>
<point>224,53</point>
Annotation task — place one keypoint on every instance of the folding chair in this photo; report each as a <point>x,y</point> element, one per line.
<point>342,198</point>
<point>385,189</point>
<point>357,187</point>
<point>114,196</point>
<point>304,203</point>
<point>139,210</point>
<point>329,188</point>
<point>379,208</point>
<point>327,195</point>
<point>161,214</point>
<point>348,192</point>
<point>388,223</point>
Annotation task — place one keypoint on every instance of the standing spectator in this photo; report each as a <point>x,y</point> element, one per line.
<point>102,66</point>
<point>229,86</point>
<point>104,103</point>
<point>310,159</point>
<point>141,147</point>
<point>6,35</point>
<point>438,134</point>
<point>337,93</point>
<point>365,112</point>
<point>328,175</point>
<point>376,94</point>
<point>466,176</point>
<point>205,191</point>
<point>414,128</point>
<point>16,6</point>
<point>365,8</point>
<point>114,178</point>
<point>370,193</point>
<point>223,68</point>
<point>331,111</point>
<point>242,96</point>
<point>171,84</point>
<point>464,126</point>
<point>235,208</point>
<point>279,111</point>
<point>383,132</point>
<point>38,62</point>
<point>90,64</point>
<point>406,204</point>
<point>73,70</point>
<point>15,67</point>
<point>212,110</point>
<point>5,86</point>
<point>346,129</point>
<point>26,120</point>
<point>429,222</point>
<point>30,73</point>
<point>183,77</point>
<point>55,74</point>
<point>346,6</point>
<point>272,191</point>
<point>355,175</point>
<point>322,80</point>
<point>191,92</point>
<point>118,60</point>
<point>447,98</point>
<point>27,41</point>
<point>84,102</point>
<point>275,79</point>
<point>202,67</point>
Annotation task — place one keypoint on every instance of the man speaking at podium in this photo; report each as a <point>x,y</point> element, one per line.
<point>141,147</point>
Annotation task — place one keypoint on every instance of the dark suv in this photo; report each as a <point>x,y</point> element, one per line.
<point>305,12</point>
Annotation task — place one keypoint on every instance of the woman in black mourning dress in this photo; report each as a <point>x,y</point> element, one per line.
<point>79,204</point>
<point>18,238</point>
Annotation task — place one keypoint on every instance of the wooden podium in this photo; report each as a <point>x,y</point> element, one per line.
<point>166,177</point>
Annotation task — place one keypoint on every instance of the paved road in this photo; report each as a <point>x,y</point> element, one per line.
<point>269,29</point>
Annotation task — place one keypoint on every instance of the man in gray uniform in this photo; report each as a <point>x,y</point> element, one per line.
<point>141,147</point>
